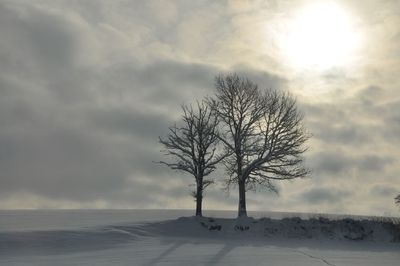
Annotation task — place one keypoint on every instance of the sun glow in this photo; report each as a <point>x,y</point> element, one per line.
<point>320,37</point>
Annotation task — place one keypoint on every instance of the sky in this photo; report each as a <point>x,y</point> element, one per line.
<point>87,87</point>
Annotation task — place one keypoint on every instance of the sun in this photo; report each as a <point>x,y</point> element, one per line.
<point>321,36</point>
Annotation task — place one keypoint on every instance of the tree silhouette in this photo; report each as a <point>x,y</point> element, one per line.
<point>263,133</point>
<point>193,147</point>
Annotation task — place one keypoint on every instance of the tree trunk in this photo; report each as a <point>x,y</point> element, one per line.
<point>199,197</point>
<point>242,212</point>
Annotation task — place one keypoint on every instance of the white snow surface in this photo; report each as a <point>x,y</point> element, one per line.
<point>174,237</point>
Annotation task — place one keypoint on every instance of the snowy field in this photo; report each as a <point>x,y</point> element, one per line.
<point>160,237</point>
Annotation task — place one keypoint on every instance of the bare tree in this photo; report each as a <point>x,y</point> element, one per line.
<point>262,131</point>
<point>193,147</point>
<point>397,200</point>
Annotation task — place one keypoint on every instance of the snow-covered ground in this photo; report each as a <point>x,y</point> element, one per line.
<point>159,237</point>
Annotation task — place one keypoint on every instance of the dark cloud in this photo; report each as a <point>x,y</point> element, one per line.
<point>373,163</point>
<point>330,163</point>
<point>335,74</point>
<point>324,195</point>
<point>365,119</point>
<point>386,191</point>
<point>339,165</point>
<point>160,82</point>
<point>370,95</point>
<point>265,80</point>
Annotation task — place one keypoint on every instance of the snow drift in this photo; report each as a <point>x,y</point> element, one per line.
<point>267,228</point>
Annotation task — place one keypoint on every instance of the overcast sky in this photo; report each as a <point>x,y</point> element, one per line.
<point>86,88</point>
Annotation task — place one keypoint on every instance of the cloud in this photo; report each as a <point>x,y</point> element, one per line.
<point>339,164</point>
<point>87,87</point>
<point>86,133</point>
<point>384,191</point>
<point>317,196</point>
